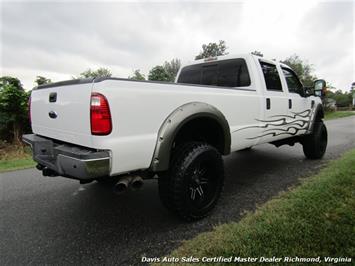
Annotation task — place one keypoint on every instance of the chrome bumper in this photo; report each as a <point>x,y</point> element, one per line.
<point>67,159</point>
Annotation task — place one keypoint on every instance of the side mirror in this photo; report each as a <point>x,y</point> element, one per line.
<point>320,87</point>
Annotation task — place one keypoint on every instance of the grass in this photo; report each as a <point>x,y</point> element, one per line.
<point>16,164</point>
<point>338,114</point>
<point>314,219</point>
<point>14,157</point>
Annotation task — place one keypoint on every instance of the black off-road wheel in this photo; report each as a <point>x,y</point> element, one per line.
<point>315,144</point>
<point>194,182</point>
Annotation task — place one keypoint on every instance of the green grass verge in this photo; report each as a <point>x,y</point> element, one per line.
<point>314,219</point>
<point>338,114</point>
<point>16,164</point>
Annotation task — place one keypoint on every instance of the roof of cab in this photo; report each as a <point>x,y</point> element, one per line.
<point>232,56</point>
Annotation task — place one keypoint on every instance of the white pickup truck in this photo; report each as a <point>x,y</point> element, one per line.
<point>122,131</point>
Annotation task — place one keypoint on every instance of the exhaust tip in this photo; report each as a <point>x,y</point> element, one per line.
<point>133,182</point>
<point>120,187</point>
<point>137,183</point>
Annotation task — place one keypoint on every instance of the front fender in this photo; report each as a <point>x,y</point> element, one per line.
<point>317,115</point>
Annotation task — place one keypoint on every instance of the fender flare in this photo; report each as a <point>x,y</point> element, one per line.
<point>175,121</point>
<point>318,113</point>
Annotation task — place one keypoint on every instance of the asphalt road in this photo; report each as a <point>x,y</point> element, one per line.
<point>57,221</point>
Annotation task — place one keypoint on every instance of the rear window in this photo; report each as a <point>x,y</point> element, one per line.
<point>226,73</point>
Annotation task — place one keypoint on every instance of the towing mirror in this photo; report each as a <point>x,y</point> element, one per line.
<point>320,87</point>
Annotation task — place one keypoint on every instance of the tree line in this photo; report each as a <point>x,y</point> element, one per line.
<point>14,120</point>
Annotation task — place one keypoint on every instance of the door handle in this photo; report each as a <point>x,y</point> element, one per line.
<point>52,114</point>
<point>52,97</point>
<point>289,103</point>
<point>268,103</point>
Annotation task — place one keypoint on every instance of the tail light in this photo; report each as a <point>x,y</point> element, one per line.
<point>100,115</point>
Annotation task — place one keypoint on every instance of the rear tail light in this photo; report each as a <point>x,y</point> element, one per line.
<point>100,115</point>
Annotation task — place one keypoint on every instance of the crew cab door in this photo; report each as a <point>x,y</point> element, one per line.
<point>275,106</point>
<point>299,106</point>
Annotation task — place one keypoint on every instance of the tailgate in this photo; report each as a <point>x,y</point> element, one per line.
<point>62,111</point>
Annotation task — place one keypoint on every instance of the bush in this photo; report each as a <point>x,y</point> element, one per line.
<point>13,110</point>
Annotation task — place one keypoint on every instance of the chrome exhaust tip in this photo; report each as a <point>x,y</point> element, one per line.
<point>121,186</point>
<point>136,183</point>
<point>133,182</point>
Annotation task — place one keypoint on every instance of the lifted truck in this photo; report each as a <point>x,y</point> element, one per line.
<point>122,131</point>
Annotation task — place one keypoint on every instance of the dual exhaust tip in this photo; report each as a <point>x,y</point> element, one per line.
<point>134,182</point>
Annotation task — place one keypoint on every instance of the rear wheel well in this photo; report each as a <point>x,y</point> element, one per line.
<point>202,129</point>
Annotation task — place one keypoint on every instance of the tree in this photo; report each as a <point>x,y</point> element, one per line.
<point>212,49</point>
<point>100,72</point>
<point>7,80</point>
<point>302,69</point>
<point>13,109</point>
<point>40,80</point>
<point>165,72</point>
<point>258,53</point>
<point>159,73</point>
<point>172,68</point>
<point>342,99</point>
<point>137,75</point>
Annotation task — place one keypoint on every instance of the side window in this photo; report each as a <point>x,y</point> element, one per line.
<point>293,83</point>
<point>224,73</point>
<point>233,73</point>
<point>271,76</point>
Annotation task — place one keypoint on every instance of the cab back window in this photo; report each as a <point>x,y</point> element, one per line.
<point>226,73</point>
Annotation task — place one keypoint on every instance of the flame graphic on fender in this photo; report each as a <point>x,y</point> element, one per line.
<point>276,127</point>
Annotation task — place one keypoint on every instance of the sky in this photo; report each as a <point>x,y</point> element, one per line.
<point>61,39</point>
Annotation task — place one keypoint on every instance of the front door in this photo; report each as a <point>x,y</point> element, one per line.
<point>299,107</point>
<point>274,124</point>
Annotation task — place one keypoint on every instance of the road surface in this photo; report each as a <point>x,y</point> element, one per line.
<point>57,221</point>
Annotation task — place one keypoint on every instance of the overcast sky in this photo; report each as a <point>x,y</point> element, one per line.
<point>62,39</point>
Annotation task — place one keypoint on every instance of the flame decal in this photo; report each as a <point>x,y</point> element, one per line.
<point>280,126</point>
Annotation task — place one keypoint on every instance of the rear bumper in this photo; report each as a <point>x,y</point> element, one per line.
<point>67,159</point>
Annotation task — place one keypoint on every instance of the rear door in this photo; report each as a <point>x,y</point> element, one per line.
<point>241,104</point>
<point>274,124</point>
<point>62,112</point>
